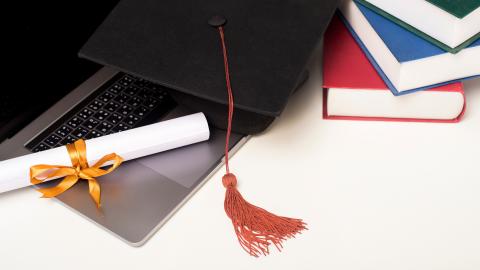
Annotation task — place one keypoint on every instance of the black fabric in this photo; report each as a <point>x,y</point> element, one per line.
<point>245,122</point>
<point>171,43</point>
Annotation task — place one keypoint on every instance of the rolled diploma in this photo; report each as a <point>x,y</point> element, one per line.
<point>129,144</point>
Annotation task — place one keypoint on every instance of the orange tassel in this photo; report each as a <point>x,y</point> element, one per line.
<point>256,228</point>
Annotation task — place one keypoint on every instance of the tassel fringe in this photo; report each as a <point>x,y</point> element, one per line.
<point>256,228</point>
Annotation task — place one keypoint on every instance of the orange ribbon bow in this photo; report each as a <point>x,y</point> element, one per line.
<point>79,170</point>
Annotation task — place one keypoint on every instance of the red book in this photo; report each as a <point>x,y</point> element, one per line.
<point>353,90</point>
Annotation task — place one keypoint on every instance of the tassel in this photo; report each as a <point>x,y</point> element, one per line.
<point>256,228</point>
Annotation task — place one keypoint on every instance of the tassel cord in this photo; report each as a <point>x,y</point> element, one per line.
<point>256,228</point>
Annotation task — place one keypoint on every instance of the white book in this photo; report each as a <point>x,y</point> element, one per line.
<point>376,104</point>
<point>439,24</point>
<point>405,61</point>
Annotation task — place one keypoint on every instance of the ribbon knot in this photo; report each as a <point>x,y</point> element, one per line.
<point>79,170</point>
<point>82,174</point>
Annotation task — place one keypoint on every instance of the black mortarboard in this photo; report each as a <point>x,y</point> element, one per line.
<point>182,44</point>
<point>171,42</point>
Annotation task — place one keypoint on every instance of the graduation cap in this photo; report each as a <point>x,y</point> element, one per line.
<point>218,56</point>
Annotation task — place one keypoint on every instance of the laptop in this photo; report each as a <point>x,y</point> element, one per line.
<point>60,98</point>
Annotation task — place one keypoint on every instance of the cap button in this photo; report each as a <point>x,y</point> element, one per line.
<point>217,21</point>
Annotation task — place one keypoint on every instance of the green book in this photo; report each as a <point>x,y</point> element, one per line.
<point>458,8</point>
<point>422,34</point>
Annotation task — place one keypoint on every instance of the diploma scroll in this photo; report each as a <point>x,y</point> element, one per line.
<point>129,144</point>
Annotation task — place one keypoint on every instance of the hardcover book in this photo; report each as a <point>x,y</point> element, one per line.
<point>443,29</point>
<point>459,9</point>
<point>354,90</point>
<point>447,30</point>
<point>406,62</point>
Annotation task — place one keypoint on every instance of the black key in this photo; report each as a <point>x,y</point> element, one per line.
<point>116,89</point>
<point>104,127</point>
<point>131,120</point>
<point>150,103</point>
<point>154,87</point>
<point>52,140</point>
<point>131,90</point>
<point>85,113</point>
<point>120,127</point>
<point>115,118</point>
<point>80,132</point>
<point>40,147</point>
<point>140,83</point>
<point>127,80</point>
<point>90,123</point>
<point>135,101</point>
<point>68,139</point>
<point>106,97</point>
<point>75,122</point>
<point>101,115</point>
<point>149,84</point>
<point>159,94</point>
<point>95,105</point>
<point>124,109</point>
<point>141,111</point>
<point>93,134</point>
<point>145,93</point>
<point>111,106</point>
<point>63,131</point>
<point>122,98</point>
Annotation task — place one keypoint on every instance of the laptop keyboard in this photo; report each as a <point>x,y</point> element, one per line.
<point>124,102</point>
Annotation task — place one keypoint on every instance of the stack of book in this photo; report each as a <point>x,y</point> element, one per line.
<point>400,60</point>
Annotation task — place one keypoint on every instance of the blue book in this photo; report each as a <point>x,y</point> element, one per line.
<point>406,62</point>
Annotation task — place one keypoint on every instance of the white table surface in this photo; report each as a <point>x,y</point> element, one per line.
<point>376,195</point>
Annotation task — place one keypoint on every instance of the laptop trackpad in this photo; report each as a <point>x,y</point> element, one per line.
<point>131,193</point>
<point>187,165</point>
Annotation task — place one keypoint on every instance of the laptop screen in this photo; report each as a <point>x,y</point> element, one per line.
<point>42,63</point>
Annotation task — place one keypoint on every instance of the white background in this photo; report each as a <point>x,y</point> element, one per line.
<point>375,195</point>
